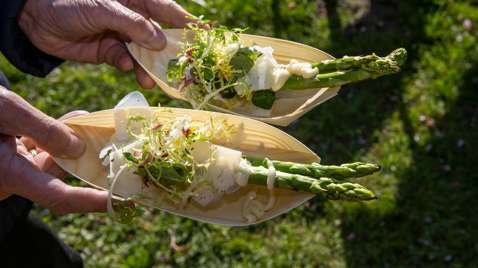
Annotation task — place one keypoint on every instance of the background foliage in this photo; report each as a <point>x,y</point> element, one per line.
<point>421,126</point>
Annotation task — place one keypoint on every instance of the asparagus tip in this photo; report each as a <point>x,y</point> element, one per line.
<point>399,56</point>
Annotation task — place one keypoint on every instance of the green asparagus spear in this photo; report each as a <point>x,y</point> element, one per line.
<point>316,170</point>
<point>334,79</point>
<point>372,63</point>
<point>338,72</point>
<point>325,187</point>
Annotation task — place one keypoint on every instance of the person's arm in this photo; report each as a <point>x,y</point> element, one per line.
<point>17,48</point>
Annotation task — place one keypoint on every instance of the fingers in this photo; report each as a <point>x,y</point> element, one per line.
<point>166,11</point>
<point>52,193</point>
<point>137,26</point>
<point>19,118</point>
<point>29,144</point>
<point>117,55</point>
<point>46,164</point>
<point>125,62</point>
<point>42,160</point>
<point>22,149</point>
<point>114,52</point>
<point>142,77</point>
<point>123,20</point>
<point>133,25</point>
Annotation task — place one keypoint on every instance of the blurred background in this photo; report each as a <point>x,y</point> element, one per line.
<point>420,125</point>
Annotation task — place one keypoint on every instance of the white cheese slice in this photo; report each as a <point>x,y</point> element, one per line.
<point>222,170</point>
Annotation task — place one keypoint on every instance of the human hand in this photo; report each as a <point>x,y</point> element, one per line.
<point>36,176</point>
<point>94,31</point>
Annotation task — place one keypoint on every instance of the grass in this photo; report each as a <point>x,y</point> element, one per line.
<point>421,126</point>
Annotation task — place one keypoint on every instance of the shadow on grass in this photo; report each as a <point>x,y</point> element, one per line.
<point>435,217</point>
<point>344,125</point>
<point>434,220</point>
<point>342,129</point>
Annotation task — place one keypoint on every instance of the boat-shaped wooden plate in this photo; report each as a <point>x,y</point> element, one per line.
<point>254,138</point>
<point>289,105</point>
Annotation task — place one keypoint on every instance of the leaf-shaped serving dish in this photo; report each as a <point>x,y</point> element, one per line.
<point>289,105</point>
<point>255,138</point>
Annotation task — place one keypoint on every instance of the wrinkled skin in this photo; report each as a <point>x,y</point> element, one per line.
<point>90,31</point>
<point>37,177</point>
<point>94,31</point>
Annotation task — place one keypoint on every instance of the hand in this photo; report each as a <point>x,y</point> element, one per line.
<point>36,177</point>
<point>94,31</point>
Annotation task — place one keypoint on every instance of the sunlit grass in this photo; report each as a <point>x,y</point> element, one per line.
<point>421,126</point>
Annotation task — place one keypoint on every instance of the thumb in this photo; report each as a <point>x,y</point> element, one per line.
<point>19,118</point>
<point>139,29</point>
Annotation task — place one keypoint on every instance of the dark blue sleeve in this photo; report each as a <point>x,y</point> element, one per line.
<point>16,47</point>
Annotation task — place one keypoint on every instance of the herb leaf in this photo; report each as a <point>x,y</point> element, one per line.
<point>243,61</point>
<point>264,98</point>
<point>128,156</point>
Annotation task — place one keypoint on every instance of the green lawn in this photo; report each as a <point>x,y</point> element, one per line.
<point>421,126</point>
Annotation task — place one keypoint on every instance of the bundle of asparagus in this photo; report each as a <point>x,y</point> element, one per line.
<point>338,72</point>
<point>179,157</point>
<point>216,68</point>
<point>323,180</point>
